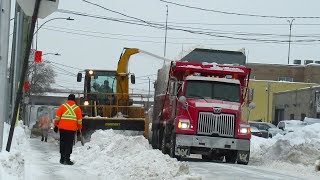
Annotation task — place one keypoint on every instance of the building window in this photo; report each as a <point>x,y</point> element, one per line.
<point>291,116</point>
<point>289,79</point>
<point>303,115</point>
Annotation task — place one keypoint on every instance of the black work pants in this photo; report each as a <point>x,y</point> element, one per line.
<point>66,143</point>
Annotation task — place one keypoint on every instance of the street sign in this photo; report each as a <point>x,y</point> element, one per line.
<point>47,7</point>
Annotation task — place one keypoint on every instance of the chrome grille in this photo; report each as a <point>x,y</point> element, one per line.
<point>221,124</point>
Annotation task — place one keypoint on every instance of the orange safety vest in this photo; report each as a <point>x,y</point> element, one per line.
<point>68,116</point>
<point>44,122</point>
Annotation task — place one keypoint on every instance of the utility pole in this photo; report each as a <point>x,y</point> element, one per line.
<point>23,73</point>
<point>268,100</point>
<point>5,7</point>
<point>290,25</point>
<point>165,36</point>
<point>148,94</point>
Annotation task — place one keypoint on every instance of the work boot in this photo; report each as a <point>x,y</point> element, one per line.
<point>62,160</point>
<point>45,139</point>
<point>68,162</point>
<point>42,139</point>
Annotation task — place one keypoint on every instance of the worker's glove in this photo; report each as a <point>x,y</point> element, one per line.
<point>55,129</point>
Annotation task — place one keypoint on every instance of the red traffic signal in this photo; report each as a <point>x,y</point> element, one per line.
<point>38,56</point>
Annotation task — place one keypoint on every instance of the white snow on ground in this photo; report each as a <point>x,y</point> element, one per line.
<point>108,155</point>
<point>296,150</point>
<point>12,163</point>
<point>117,156</point>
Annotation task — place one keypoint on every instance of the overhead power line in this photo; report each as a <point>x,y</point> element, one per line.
<point>257,41</point>
<point>173,23</point>
<point>186,38</point>
<point>241,14</point>
<point>72,67</point>
<point>193,31</point>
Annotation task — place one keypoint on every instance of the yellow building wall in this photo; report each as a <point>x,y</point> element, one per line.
<point>263,89</point>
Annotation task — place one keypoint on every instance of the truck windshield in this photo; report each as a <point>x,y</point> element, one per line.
<point>103,82</point>
<point>213,90</point>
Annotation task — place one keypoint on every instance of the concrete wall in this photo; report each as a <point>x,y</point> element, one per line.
<point>263,90</point>
<point>296,103</point>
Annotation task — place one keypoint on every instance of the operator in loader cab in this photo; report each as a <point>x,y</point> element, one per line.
<point>105,88</point>
<point>68,120</point>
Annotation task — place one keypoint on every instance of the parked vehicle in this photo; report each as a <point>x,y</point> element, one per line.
<point>290,125</point>
<point>311,120</point>
<point>270,130</point>
<point>255,131</point>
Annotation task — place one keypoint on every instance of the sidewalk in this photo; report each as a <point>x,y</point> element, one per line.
<point>42,162</point>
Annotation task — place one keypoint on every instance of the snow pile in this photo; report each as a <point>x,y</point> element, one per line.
<point>301,148</point>
<point>117,156</point>
<point>12,163</point>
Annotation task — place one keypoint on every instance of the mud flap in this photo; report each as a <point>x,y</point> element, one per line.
<point>243,157</point>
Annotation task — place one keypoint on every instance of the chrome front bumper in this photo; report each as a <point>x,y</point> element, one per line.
<point>212,142</point>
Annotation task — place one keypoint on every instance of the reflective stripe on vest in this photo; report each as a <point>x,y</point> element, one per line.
<point>69,114</point>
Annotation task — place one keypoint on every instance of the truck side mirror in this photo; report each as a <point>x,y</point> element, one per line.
<point>79,77</point>
<point>183,100</point>
<point>133,79</point>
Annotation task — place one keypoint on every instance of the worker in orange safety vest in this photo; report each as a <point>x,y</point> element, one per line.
<point>68,120</point>
<point>44,125</point>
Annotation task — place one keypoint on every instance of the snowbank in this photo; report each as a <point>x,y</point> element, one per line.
<point>296,150</point>
<point>12,163</point>
<point>117,156</point>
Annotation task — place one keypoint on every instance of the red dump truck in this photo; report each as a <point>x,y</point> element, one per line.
<point>197,110</point>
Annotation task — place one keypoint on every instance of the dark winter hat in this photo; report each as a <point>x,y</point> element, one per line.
<point>72,97</point>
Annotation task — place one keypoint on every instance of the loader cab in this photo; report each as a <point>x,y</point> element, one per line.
<point>100,81</point>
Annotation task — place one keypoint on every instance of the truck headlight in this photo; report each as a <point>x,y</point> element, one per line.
<point>86,103</point>
<point>244,129</point>
<point>184,123</point>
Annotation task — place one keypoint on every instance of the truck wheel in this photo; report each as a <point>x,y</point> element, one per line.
<point>173,146</point>
<point>164,143</point>
<point>216,157</point>
<point>206,157</point>
<point>154,140</point>
<point>231,157</point>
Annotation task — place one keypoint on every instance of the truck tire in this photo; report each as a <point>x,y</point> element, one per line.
<point>206,157</point>
<point>164,142</point>
<point>155,140</point>
<point>212,157</point>
<point>231,157</point>
<point>173,146</point>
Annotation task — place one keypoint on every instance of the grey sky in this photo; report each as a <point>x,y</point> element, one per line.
<point>96,52</point>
